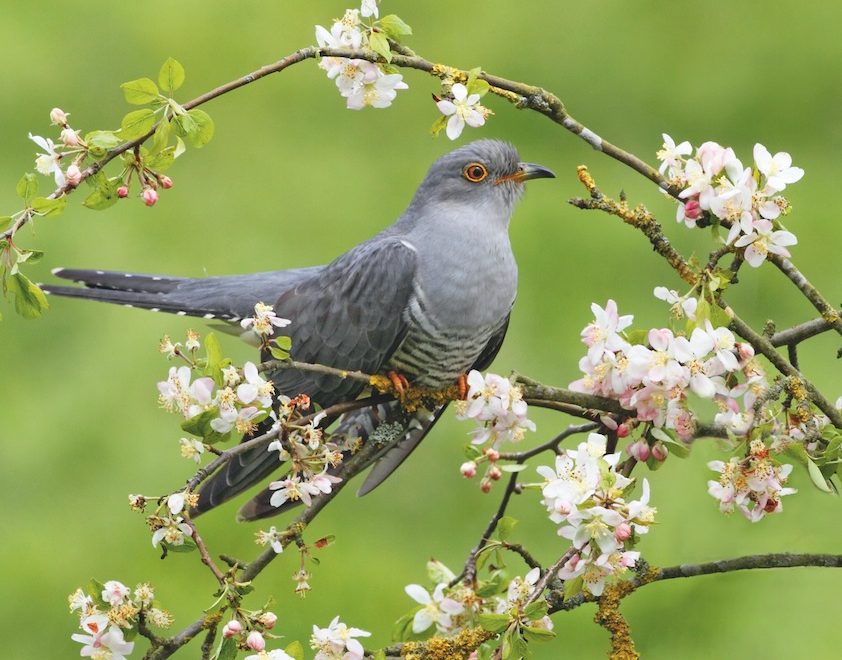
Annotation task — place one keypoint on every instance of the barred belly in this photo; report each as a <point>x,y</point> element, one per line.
<point>434,356</point>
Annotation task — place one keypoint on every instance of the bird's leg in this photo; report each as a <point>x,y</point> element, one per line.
<point>399,383</point>
<point>462,386</point>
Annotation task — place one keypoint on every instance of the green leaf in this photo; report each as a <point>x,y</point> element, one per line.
<point>137,124</point>
<point>284,342</point>
<point>105,194</point>
<point>637,336</point>
<point>94,590</point>
<point>438,125</point>
<point>171,75</point>
<point>533,634</point>
<point>30,301</point>
<point>204,128</point>
<point>184,124</point>
<point>47,207</point>
<point>140,91</point>
<point>379,43</point>
<point>492,622</point>
<point>227,650</point>
<point>536,610</point>
<point>817,477</point>
<point>162,134</point>
<point>505,527</point>
<point>279,353</point>
<point>394,27</point>
<point>200,426</point>
<point>30,256</point>
<point>703,310</point>
<point>27,187</point>
<point>296,650</point>
<point>213,350</point>
<point>5,222</point>
<point>402,630</point>
<point>188,546</point>
<point>101,141</point>
<point>379,654</point>
<point>573,587</point>
<point>162,161</point>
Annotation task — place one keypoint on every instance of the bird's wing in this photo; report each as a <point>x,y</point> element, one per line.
<point>351,316</point>
<point>397,453</point>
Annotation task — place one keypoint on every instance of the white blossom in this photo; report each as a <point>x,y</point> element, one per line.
<point>463,109</point>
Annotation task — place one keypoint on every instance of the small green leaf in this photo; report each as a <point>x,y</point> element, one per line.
<point>184,124</point>
<point>637,336</point>
<point>402,630</point>
<point>536,610</point>
<point>162,134</point>
<point>227,650</point>
<point>204,128</point>
<point>296,650</point>
<point>200,426</point>
<point>27,186</point>
<point>284,342</point>
<point>162,161</point>
<point>438,125</point>
<point>94,590</point>
<point>213,350</point>
<point>5,222</point>
<point>379,43</point>
<point>171,75</point>
<point>104,196</point>
<point>703,310</point>
<point>495,623</point>
<point>101,141</point>
<point>573,587</point>
<point>187,546</point>
<point>505,527</point>
<point>30,301</point>
<point>279,353</point>
<point>47,207</point>
<point>379,654</point>
<point>817,477</point>
<point>394,27</point>
<point>137,124</point>
<point>677,447</point>
<point>30,256</point>
<point>533,634</point>
<point>140,91</point>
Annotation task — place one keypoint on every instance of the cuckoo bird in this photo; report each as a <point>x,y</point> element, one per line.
<point>428,298</point>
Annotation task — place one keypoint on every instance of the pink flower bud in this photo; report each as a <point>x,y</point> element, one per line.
<point>232,628</point>
<point>468,469</point>
<point>485,486</point>
<point>639,450</point>
<point>692,209</point>
<point>623,430</point>
<point>123,192</point>
<point>623,531</point>
<point>745,350</point>
<point>74,175</point>
<point>494,473</point>
<point>660,451</point>
<point>166,182</point>
<point>69,137</point>
<point>255,641</point>
<point>268,620</point>
<point>492,454</point>
<point>58,116</point>
<point>149,196</point>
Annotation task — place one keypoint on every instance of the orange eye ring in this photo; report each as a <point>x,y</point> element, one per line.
<point>475,172</point>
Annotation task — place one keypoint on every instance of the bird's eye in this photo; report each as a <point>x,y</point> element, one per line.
<point>475,172</point>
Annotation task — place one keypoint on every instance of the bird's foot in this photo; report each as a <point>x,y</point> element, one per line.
<point>462,386</point>
<point>399,383</point>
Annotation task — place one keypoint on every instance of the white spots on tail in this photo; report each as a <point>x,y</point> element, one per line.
<point>154,309</point>
<point>209,316</point>
<point>181,313</point>
<point>56,271</point>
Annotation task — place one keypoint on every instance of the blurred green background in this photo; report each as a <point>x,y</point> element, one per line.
<point>292,179</point>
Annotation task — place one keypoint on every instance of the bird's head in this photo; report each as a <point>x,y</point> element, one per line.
<point>486,175</point>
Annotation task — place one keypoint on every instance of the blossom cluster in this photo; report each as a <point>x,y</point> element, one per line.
<point>498,408</point>
<point>360,82</point>
<point>462,108</point>
<point>654,379</point>
<point>337,642</point>
<point>747,198</point>
<point>110,611</point>
<point>264,321</point>
<point>448,610</point>
<point>311,456</point>
<point>753,484</point>
<point>587,496</point>
<point>70,147</point>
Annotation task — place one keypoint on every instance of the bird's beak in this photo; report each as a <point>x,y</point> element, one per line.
<point>527,171</point>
